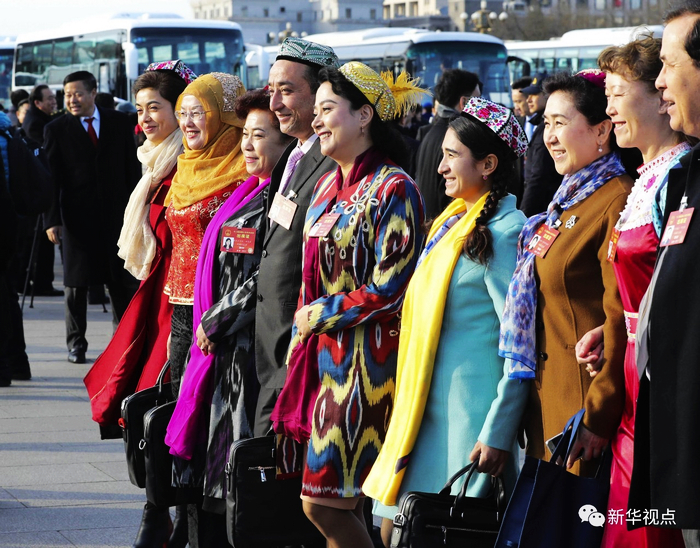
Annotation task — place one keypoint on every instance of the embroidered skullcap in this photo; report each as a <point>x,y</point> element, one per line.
<point>594,76</point>
<point>390,98</point>
<point>176,66</point>
<point>309,53</point>
<point>372,86</point>
<point>500,120</point>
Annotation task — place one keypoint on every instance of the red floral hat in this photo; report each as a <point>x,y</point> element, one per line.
<point>500,120</point>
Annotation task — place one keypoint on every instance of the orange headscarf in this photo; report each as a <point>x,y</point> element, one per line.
<point>201,173</point>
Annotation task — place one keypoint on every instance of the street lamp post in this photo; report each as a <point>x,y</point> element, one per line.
<point>482,18</point>
<point>464,16</point>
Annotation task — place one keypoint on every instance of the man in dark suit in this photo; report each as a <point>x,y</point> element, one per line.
<point>42,105</point>
<point>541,179</point>
<point>293,83</point>
<point>93,160</point>
<point>522,114</point>
<point>452,93</point>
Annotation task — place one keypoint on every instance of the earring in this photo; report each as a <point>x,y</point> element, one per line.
<point>600,147</point>
<point>484,177</point>
<point>362,130</point>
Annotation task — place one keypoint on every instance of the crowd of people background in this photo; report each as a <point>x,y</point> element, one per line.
<point>392,310</point>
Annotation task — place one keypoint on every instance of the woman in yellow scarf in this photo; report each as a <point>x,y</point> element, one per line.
<point>454,402</point>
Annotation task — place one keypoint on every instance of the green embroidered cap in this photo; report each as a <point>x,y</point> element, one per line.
<point>310,53</point>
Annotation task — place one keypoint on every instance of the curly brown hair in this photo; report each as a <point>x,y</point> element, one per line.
<point>638,61</point>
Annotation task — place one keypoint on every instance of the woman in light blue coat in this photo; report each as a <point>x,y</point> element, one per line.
<point>454,402</point>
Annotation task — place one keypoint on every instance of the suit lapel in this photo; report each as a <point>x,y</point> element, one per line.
<point>81,134</point>
<point>306,173</point>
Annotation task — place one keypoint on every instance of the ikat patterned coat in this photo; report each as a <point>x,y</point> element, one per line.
<point>365,264</point>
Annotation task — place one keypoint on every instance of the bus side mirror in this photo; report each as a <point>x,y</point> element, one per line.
<point>131,60</point>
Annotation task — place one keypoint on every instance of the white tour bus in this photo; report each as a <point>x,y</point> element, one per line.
<point>7,53</point>
<point>575,50</point>
<point>117,49</point>
<point>422,53</point>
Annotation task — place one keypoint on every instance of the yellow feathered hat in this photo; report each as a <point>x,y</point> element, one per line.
<point>390,97</point>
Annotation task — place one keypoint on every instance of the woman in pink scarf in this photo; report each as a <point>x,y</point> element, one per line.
<point>219,390</point>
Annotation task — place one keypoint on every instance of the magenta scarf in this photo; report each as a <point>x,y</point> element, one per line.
<point>187,426</point>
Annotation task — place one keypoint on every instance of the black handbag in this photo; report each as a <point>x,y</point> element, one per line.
<point>262,511</point>
<point>427,520</point>
<point>159,462</point>
<point>134,408</point>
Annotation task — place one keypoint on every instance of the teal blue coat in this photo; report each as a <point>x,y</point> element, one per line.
<point>471,397</point>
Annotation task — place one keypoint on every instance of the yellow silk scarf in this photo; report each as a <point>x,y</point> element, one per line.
<point>421,321</point>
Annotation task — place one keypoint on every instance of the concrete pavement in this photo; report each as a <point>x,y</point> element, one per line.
<point>60,485</point>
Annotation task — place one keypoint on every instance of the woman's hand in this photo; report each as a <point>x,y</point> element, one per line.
<point>589,351</point>
<point>489,460</point>
<point>205,345</point>
<point>587,442</point>
<point>301,319</point>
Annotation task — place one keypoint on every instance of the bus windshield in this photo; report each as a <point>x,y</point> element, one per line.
<point>428,60</point>
<point>6,56</point>
<point>204,50</point>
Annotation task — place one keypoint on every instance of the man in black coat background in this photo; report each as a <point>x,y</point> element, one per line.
<point>42,107</point>
<point>541,179</point>
<point>93,161</point>
<point>452,92</point>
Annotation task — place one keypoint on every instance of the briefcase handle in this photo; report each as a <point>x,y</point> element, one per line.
<point>161,376</point>
<point>497,490</point>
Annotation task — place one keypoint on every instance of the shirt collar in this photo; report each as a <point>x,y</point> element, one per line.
<point>95,115</point>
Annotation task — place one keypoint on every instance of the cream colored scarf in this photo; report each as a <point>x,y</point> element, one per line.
<point>421,322</point>
<point>137,244</point>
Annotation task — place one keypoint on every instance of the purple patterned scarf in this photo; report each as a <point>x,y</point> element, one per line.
<point>518,340</point>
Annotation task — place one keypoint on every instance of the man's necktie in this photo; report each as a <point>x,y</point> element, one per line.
<point>91,131</point>
<point>296,155</point>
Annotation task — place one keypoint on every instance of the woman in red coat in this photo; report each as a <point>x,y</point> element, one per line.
<point>137,352</point>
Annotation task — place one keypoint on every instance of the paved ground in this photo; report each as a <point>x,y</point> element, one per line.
<point>60,485</point>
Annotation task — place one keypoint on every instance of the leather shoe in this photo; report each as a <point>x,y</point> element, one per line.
<point>76,355</point>
<point>155,528</point>
<point>24,374</point>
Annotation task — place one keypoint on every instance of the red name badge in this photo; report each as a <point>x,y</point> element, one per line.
<point>677,227</point>
<point>238,240</point>
<point>282,211</point>
<point>542,241</point>
<point>323,226</point>
<point>612,245</point>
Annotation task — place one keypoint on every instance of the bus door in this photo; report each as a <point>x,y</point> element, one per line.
<point>518,67</point>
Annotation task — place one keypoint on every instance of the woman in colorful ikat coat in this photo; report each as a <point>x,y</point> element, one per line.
<point>362,239</point>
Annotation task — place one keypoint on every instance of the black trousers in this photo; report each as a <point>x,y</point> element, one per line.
<point>120,294</point>
<point>13,355</point>
<point>181,337</point>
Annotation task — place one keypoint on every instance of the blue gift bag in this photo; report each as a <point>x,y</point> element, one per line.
<point>553,508</point>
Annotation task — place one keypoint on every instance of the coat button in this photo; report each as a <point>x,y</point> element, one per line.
<point>260,298</point>
<point>543,356</point>
<point>264,253</point>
